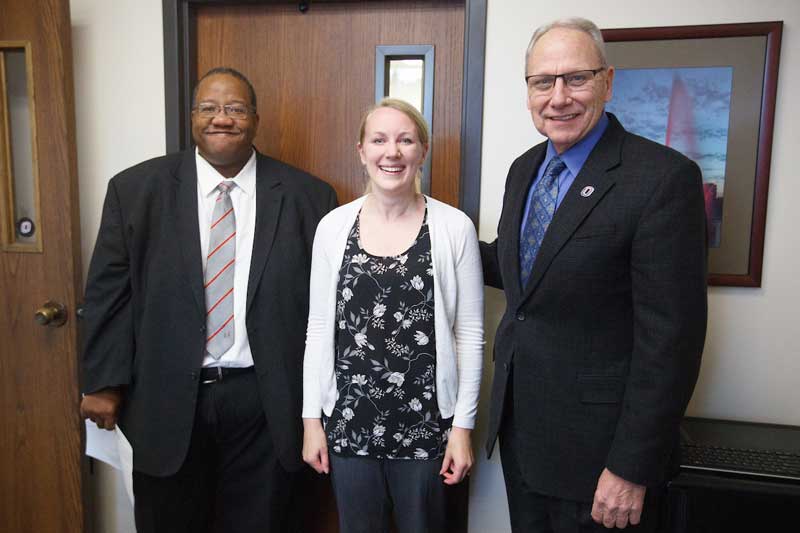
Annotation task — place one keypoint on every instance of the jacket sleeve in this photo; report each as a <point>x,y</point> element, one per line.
<point>109,344</point>
<point>468,327</point>
<point>668,276</point>
<point>318,333</point>
<point>492,274</point>
<point>491,266</point>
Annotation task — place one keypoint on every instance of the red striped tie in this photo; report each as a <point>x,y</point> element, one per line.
<point>219,274</point>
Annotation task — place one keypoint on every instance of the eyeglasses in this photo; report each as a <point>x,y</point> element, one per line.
<point>234,111</point>
<point>578,80</point>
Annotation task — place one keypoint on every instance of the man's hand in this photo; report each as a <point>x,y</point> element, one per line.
<point>315,445</point>
<point>617,502</point>
<point>458,458</point>
<point>102,407</point>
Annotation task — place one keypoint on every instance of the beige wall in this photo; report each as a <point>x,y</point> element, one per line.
<point>751,364</point>
<point>119,108</point>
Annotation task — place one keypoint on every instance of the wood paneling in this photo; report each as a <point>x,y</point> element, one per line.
<point>314,75</point>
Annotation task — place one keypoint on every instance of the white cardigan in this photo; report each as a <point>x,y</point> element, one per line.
<point>458,317</point>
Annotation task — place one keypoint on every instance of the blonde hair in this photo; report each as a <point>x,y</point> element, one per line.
<point>420,125</point>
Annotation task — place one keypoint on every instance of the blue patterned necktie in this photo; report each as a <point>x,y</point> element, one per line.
<point>543,205</point>
<point>219,274</point>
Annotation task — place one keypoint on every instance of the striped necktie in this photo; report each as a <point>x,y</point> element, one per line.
<point>543,205</point>
<point>219,274</point>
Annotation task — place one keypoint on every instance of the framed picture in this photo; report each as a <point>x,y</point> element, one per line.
<point>709,92</point>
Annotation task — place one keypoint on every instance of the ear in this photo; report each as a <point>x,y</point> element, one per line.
<point>609,83</point>
<point>360,150</point>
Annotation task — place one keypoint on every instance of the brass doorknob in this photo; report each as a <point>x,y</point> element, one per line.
<point>51,314</point>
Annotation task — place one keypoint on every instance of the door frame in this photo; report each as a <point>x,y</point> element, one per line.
<point>180,57</point>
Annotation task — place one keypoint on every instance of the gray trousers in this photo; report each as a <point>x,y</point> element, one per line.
<point>369,491</point>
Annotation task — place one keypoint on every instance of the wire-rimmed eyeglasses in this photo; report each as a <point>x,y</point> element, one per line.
<point>234,111</point>
<point>542,83</point>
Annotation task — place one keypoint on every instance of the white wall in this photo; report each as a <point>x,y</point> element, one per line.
<point>751,366</point>
<point>119,108</point>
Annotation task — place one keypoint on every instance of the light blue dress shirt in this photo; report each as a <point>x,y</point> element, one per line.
<point>574,158</point>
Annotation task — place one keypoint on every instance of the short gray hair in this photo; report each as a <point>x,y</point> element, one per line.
<point>572,23</point>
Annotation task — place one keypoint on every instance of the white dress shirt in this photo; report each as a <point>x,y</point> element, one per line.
<point>243,198</point>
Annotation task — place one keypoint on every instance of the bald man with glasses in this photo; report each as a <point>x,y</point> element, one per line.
<point>601,253</point>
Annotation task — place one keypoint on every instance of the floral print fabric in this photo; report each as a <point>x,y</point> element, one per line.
<point>386,355</point>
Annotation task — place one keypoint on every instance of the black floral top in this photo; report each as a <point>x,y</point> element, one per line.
<point>386,355</point>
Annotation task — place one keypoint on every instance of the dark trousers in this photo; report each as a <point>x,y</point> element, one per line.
<point>368,491</point>
<point>231,480</point>
<point>533,512</point>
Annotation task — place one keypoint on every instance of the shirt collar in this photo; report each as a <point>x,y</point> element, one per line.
<point>576,155</point>
<point>208,178</point>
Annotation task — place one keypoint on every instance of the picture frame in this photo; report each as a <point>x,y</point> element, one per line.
<point>708,91</point>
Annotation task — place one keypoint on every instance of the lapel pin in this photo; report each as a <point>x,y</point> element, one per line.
<point>587,191</point>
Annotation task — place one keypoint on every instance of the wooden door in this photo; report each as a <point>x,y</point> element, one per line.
<point>41,488</point>
<point>314,75</point>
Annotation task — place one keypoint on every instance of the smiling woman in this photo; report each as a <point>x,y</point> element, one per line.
<point>388,367</point>
<point>224,120</point>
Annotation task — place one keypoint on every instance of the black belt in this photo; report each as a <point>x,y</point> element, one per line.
<point>218,373</point>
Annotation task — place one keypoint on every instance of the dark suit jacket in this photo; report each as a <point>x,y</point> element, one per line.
<point>604,343</point>
<point>144,313</point>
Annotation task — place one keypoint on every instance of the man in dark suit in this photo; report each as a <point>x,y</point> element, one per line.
<point>195,313</point>
<point>601,254</point>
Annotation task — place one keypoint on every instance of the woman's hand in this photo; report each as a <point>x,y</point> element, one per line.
<point>458,457</point>
<point>315,445</point>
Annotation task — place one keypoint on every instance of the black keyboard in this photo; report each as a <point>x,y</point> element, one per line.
<point>769,463</point>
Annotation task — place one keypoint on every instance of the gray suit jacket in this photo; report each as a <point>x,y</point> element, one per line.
<point>604,343</point>
<point>144,313</point>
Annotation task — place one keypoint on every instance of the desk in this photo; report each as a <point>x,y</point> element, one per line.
<point>719,502</point>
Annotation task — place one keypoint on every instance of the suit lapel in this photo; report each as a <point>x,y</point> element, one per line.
<point>576,206</point>
<point>269,199</point>
<point>188,227</point>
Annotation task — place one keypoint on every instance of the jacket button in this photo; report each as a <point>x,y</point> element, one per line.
<point>521,316</point>
<point>202,329</point>
<point>505,367</point>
